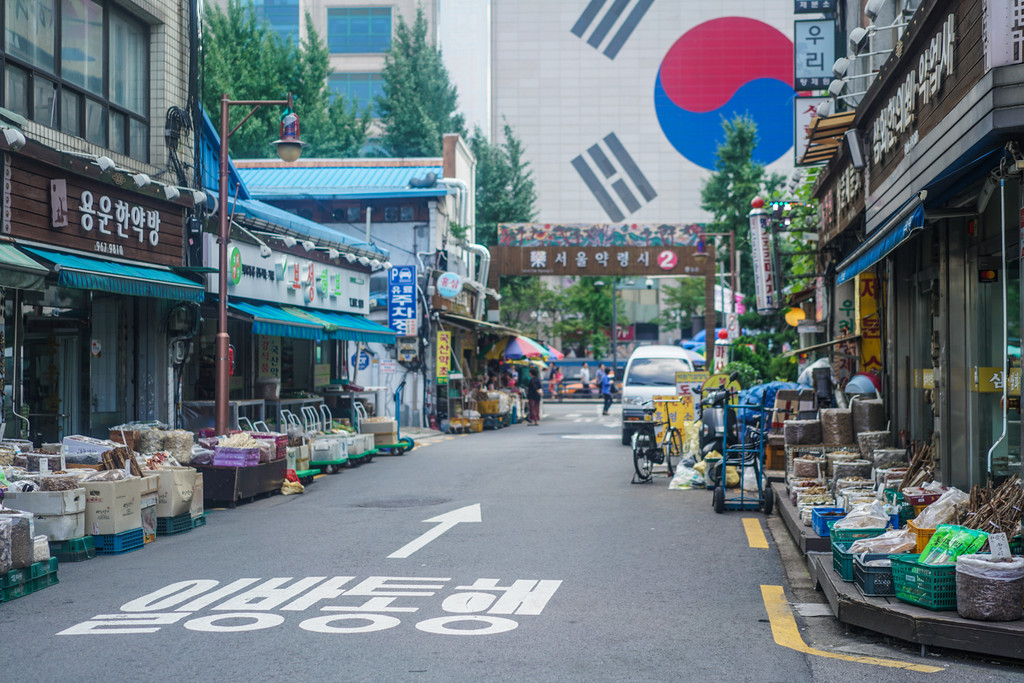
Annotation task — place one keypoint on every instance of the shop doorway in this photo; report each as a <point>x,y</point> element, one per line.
<point>52,380</point>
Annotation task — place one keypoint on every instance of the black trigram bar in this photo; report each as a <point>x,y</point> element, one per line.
<point>604,26</point>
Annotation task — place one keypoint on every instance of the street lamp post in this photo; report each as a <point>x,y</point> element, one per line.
<point>289,148</point>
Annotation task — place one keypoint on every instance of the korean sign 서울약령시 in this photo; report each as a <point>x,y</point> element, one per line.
<point>598,261</point>
<point>402,299</point>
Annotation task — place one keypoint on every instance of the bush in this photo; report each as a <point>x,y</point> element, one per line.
<point>748,374</point>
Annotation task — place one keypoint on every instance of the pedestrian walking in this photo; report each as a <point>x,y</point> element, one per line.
<point>585,377</point>
<point>533,394</point>
<point>556,382</point>
<point>606,388</point>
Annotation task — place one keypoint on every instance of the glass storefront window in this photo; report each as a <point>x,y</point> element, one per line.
<point>30,31</point>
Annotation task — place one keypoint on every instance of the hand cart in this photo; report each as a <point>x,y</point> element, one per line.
<point>748,452</point>
<point>404,443</point>
<point>330,451</point>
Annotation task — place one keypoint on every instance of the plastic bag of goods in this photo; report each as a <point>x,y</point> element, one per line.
<point>23,530</point>
<point>943,510</point>
<point>836,427</point>
<point>40,548</point>
<point>179,443</point>
<point>989,589</point>
<point>893,542</point>
<point>809,467</point>
<point>865,516</point>
<point>685,478</point>
<point>950,542</point>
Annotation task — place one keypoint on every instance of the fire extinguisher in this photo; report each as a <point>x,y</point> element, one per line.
<point>231,360</point>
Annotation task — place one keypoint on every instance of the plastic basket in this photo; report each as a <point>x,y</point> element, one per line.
<point>1017,545</point>
<point>43,568</point>
<point>921,500</point>
<point>874,581</point>
<point>849,535</point>
<point>13,592</point>
<point>114,544</point>
<point>907,513</point>
<point>199,521</point>
<point>167,526</point>
<point>73,550</point>
<point>923,535</point>
<point>15,577</point>
<point>820,517</point>
<point>931,586</point>
<point>842,560</point>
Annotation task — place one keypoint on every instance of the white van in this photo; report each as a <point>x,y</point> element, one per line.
<point>651,371</point>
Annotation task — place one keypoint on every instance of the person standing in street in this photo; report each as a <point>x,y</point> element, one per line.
<point>585,378</point>
<point>606,388</point>
<point>533,393</point>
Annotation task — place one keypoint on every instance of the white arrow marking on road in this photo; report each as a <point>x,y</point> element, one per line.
<point>470,513</point>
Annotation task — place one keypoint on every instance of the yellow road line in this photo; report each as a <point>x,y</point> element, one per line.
<point>755,534</point>
<point>787,634</point>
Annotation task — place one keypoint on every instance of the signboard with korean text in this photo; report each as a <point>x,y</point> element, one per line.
<point>599,261</point>
<point>814,44</point>
<point>868,323</point>
<point>444,355</point>
<point>763,250</point>
<point>49,205</point>
<point>988,380</point>
<point>804,109</point>
<point>284,278</point>
<point>402,299</point>
<point>269,357</point>
<point>449,285</point>
<point>688,386</point>
<point>814,6</point>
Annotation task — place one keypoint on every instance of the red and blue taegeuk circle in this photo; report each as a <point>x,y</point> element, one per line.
<point>720,69</point>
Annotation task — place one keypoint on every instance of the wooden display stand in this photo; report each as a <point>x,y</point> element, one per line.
<point>232,484</point>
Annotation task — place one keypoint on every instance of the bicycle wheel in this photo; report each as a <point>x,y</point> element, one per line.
<point>673,447</point>
<point>641,461</point>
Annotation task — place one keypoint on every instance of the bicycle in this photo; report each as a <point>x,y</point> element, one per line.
<point>650,450</point>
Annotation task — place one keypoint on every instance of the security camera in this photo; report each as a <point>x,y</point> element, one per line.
<point>265,251</point>
<point>649,283</point>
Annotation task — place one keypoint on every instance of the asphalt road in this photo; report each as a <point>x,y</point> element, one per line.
<point>571,574</point>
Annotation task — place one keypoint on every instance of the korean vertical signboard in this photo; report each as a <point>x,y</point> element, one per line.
<point>804,109</point>
<point>870,327</point>
<point>402,300</point>
<point>444,355</point>
<point>764,262</point>
<point>814,44</point>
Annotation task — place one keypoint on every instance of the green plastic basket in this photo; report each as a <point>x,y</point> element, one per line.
<point>1017,545</point>
<point>931,586</point>
<point>842,560</point>
<point>850,535</point>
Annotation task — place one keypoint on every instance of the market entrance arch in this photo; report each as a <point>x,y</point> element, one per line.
<point>607,251</point>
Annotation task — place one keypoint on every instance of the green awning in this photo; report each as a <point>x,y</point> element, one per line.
<point>348,327</point>
<point>80,272</point>
<point>275,321</point>
<point>18,271</point>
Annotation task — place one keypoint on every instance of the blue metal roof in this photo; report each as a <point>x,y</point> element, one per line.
<point>339,182</point>
<point>80,272</point>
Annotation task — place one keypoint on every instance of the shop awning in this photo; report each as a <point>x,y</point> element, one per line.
<point>274,321</point>
<point>881,243</point>
<point>473,323</point>
<point>347,327</point>
<point>825,136</point>
<point>18,271</point>
<point>80,272</point>
<point>823,345</point>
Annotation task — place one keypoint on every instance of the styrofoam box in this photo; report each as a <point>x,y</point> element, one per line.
<point>47,502</point>
<point>61,527</point>
<point>86,444</point>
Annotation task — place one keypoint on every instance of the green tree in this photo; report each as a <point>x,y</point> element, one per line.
<point>420,104</point>
<point>737,179</point>
<point>587,318</point>
<point>681,302</point>
<point>505,191</point>
<point>245,59</point>
<point>527,305</point>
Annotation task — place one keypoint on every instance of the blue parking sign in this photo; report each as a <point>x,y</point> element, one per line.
<point>402,299</point>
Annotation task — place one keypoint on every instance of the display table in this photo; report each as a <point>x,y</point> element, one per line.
<point>200,414</point>
<point>232,484</point>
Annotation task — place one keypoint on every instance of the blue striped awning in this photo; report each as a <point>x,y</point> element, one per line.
<point>275,321</point>
<point>874,251</point>
<point>348,327</point>
<point>79,272</point>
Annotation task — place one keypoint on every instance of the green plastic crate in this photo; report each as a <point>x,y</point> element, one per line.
<point>14,592</point>
<point>850,535</point>
<point>1017,545</point>
<point>15,577</point>
<point>842,560</point>
<point>40,569</point>
<point>931,586</point>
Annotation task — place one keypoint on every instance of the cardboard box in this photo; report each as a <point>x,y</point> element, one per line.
<point>174,496</point>
<point>381,427</point>
<point>150,491</point>
<point>62,527</point>
<point>385,439</point>
<point>196,508</point>
<point>113,506</point>
<point>50,503</point>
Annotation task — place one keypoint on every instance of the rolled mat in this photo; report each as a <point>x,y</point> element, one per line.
<point>869,441</point>
<point>836,427</point>
<point>868,416</point>
<point>802,432</point>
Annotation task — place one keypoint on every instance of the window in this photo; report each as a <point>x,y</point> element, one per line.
<point>408,213</point>
<point>363,89</point>
<point>95,87</point>
<point>282,16</point>
<point>358,30</point>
